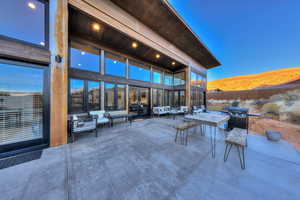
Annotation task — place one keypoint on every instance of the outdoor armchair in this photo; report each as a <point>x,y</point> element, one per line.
<point>80,124</point>
<point>102,117</point>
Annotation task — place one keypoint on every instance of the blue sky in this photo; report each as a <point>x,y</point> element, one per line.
<point>247,37</point>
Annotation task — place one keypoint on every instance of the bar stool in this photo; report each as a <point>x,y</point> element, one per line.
<point>238,138</point>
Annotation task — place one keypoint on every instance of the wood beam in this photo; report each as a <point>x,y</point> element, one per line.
<point>58,22</point>
<point>14,49</point>
<point>188,86</point>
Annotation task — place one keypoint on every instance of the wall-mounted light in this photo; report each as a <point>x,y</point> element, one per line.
<point>157,56</point>
<point>31,5</point>
<point>96,27</point>
<point>173,63</point>
<point>134,45</point>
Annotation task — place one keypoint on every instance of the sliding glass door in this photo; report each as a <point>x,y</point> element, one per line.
<point>23,105</point>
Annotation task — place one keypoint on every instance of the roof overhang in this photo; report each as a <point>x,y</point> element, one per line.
<point>162,18</point>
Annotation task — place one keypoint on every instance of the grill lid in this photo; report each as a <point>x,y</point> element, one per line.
<point>234,109</point>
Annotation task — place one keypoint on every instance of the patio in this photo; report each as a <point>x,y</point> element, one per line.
<point>143,162</point>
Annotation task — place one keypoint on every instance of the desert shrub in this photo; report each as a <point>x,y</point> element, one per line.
<point>271,108</point>
<point>294,113</point>
<point>294,118</point>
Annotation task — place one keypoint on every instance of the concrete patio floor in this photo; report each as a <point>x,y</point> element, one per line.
<point>143,162</point>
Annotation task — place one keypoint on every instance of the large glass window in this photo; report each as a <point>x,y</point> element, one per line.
<point>77,95</point>
<point>121,92</point>
<point>138,71</point>
<point>115,97</point>
<point>93,95</point>
<point>157,77</point>
<point>157,97</point>
<point>168,97</point>
<point>21,103</point>
<point>198,80</point>
<point>115,65</point>
<point>23,20</point>
<point>197,96</point>
<point>168,79</point>
<point>154,97</point>
<point>87,59</point>
<point>179,78</point>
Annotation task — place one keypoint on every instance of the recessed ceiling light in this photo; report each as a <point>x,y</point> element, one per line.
<point>134,45</point>
<point>173,63</point>
<point>96,27</point>
<point>31,5</point>
<point>82,53</point>
<point>157,56</point>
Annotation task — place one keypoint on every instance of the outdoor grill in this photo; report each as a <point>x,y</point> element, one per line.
<point>239,117</point>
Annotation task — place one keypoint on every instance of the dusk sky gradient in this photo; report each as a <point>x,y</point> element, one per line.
<point>247,37</point>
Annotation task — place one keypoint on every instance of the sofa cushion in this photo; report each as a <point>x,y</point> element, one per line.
<point>99,113</point>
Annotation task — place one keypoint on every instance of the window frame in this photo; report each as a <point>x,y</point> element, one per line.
<point>46,30</point>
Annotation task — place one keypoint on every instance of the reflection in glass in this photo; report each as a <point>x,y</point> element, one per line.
<point>168,79</point>
<point>182,97</point>
<point>121,97</point>
<point>115,97</point>
<point>157,77</point>
<point>109,96</point>
<point>23,21</point>
<point>80,59</point>
<point>197,96</point>
<point>21,103</point>
<point>176,99</point>
<point>93,95</point>
<point>160,97</point>
<point>138,72</point>
<point>77,95</point>
<point>179,78</point>
<point>115,65</point>
<point>154,97</point>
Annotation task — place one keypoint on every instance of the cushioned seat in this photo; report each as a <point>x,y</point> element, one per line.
<point>101,118</point>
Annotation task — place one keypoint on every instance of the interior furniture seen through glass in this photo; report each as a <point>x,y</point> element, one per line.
<point>21,103</point>
<point>23,20</point>
<point>115,65</point>
<point>139,100</point>
<point>85,60</point>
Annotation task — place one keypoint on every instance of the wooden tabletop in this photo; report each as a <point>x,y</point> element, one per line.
<point>212,119</point>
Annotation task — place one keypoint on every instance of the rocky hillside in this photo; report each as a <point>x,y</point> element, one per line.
<point>262,80</point>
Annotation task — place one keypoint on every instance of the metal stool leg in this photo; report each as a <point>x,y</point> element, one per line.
<point>176,136</point>
<point>241,157</point>
<point>227,151</point>
<point>186,137</point>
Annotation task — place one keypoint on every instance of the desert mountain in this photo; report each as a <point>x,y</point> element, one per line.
<point>262,80</point>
